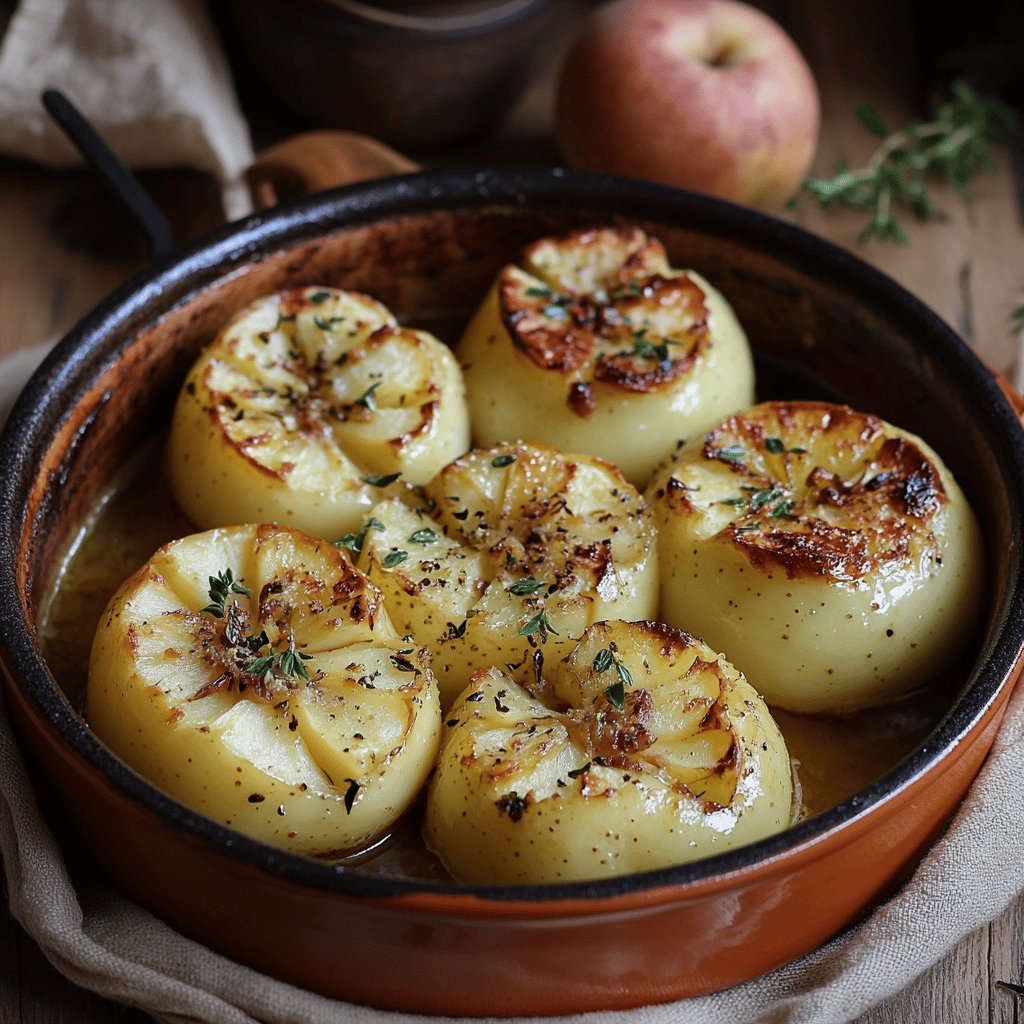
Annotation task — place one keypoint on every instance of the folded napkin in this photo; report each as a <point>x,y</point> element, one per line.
<point>106,943</point>
<point>148,74</point>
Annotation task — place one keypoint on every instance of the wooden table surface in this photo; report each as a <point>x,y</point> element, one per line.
<point>63,246</point>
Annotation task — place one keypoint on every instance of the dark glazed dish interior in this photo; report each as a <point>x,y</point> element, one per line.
<point>821,324</point>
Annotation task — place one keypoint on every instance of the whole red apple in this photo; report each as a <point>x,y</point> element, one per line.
<point>710,95</point>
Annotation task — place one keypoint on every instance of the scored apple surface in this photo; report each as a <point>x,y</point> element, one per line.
<point>595,344</point>
<point>830,555</point>
<point>509,553</point>
<point>303,398</point>
<point>642,749</point>
<point>252,673</point>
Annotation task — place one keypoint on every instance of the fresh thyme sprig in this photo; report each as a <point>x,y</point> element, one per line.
<point>285,663</point>
<point>955,145</point>
<point>221,585</point>
<point>1017,320</point>
<point>616,692</point>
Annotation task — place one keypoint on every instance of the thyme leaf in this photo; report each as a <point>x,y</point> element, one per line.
<point>367,399</point>
<point>540,623</point>
<point>616,694</point>
<point>287,663</point>
<point>380,479</point>
<point>354,541</point>
<point>328,323</point>
<point>527,585</point>
<point>221,585</point>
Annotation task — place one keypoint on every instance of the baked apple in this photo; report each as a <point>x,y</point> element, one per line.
<point>594,344</point>
<point>252,673</point>
<point>642,749</point>
<point>301,403</point>
<point>830,555</point>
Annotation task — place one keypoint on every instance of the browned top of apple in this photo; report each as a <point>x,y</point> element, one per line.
<point>603,305</point>
<point>813,489</point>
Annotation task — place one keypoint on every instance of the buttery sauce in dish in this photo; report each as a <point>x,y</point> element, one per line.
<point>836,755</point>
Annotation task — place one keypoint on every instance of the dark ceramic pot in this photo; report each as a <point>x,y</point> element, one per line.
<point>418,75</point>
<point>821,323</point>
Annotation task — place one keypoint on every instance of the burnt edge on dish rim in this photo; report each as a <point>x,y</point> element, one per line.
<point>83,354</point>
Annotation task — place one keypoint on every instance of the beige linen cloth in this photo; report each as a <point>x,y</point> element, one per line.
<point>148,73</point>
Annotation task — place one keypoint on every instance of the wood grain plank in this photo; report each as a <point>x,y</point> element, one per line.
<point>1006,963</point>
<point>955,990</point>
<point>32,992</point>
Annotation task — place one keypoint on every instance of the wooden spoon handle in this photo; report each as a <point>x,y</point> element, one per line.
<point>318,160</point>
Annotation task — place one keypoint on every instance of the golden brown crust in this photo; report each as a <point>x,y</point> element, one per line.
<point>820,490</point>
<point>250,418</point>
<point>597,321</point>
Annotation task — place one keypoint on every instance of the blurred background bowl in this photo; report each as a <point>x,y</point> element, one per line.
<point>414,73</point>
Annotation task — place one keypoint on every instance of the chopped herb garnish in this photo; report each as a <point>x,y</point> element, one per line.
<point>760,498</point>
<point>631,290</point>
<point>735,502</point>
<point>424,536</point>
<point>283,663</point>
<point>402,663</point>
<point>366,399</point>
<point>775,446</point>
<point>354,541</point>
<point>733,453</point>
<point>604,660</point>
<point>500,461</point>
<point>616,694</point>
<point>393,558</point>
<point>380,480</point>
<point>782,510</point>
<point>529,585</point>
<point>540,623</point>
<point>644,348</point>
<point>535,292</point>
<point>328,324</point>
<point>513,805</point>
<point>318,297</point>
<point>282,319</point>
<point>221,585</point>
<point>575,773</point>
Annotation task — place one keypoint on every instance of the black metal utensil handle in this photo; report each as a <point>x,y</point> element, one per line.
<point>124,185</point>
